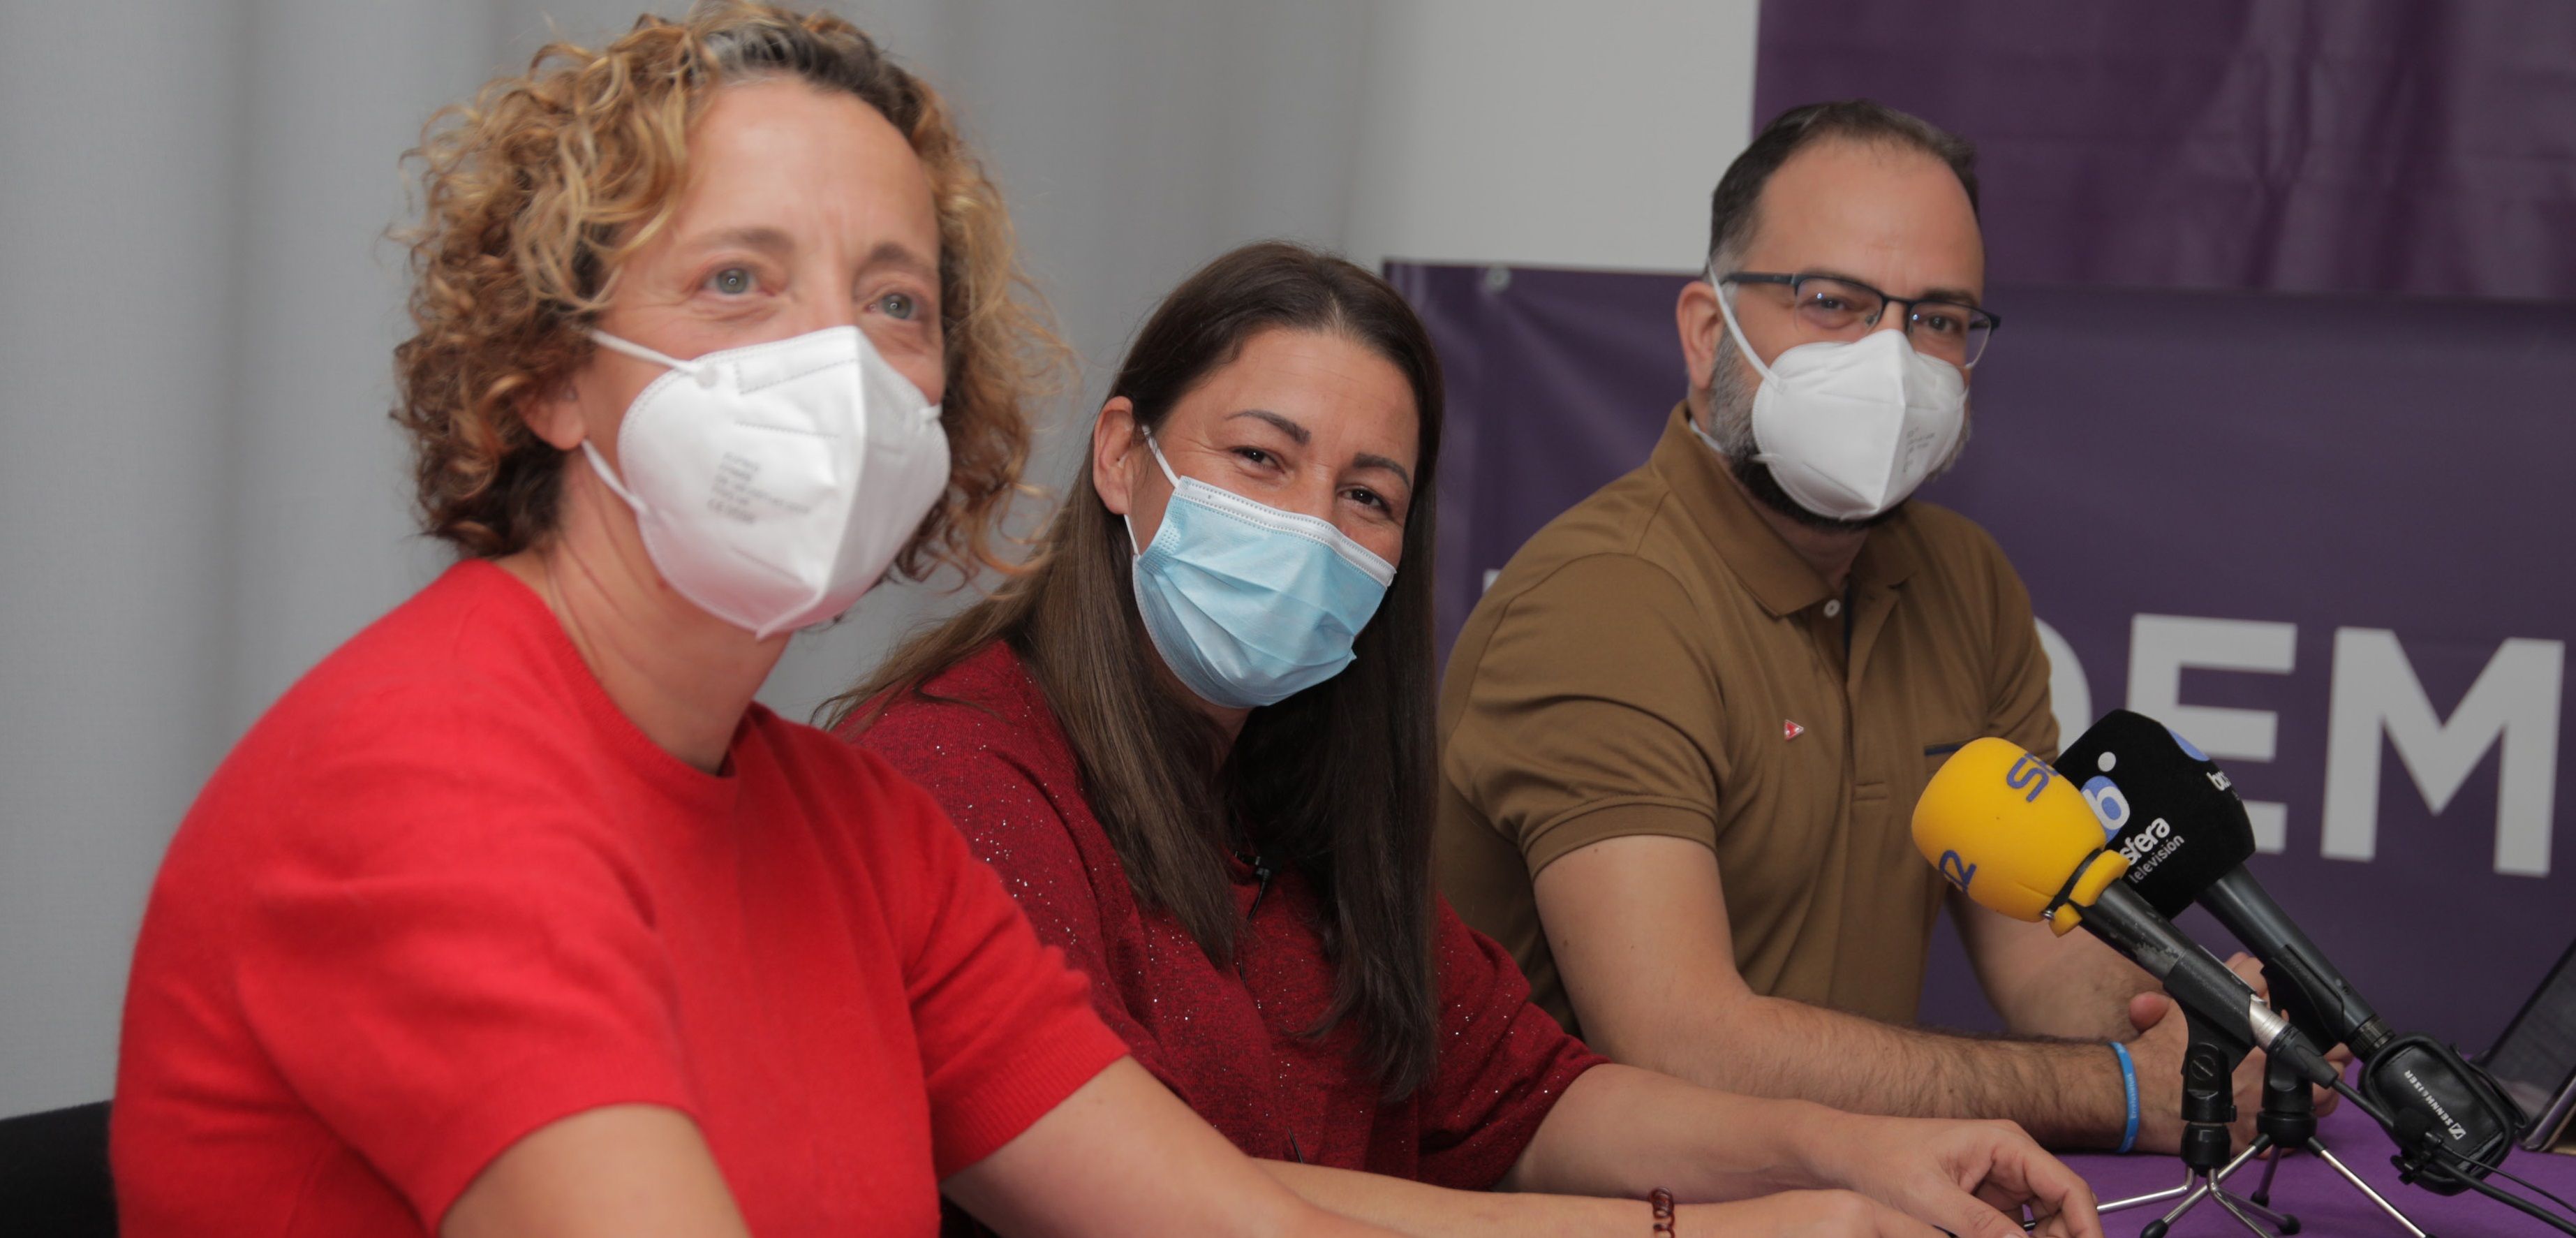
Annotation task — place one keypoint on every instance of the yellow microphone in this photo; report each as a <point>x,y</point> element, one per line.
<point>2011,834</point>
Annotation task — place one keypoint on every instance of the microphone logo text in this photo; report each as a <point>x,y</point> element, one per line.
<point>2110,807</point>
<point>2145,842</point>
<point>2028,771</point>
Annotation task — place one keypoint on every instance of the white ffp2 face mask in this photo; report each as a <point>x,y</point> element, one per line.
<point>1850,427</point>
<point>774,484</point>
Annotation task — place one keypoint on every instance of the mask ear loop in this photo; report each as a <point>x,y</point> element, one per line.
<point>1133,546</point>
<point>705,374</point>
<point>599,465</point>
<point>1726,306</point>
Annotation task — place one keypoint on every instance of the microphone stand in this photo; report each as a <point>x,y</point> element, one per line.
<point>2288,1120</point>
<point>2208,1114</point>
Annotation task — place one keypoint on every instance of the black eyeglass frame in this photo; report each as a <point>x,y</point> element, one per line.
<point>1993,321</point>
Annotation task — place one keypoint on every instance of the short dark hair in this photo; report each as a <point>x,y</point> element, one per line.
<point>1730,209</point>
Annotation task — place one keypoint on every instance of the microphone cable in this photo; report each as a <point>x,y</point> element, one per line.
<point>2371,1110</point>
<point>2484,1093</point>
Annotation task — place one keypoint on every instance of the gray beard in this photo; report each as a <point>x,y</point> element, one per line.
<point>1730,424</point>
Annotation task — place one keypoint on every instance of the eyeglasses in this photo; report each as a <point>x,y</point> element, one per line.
<point>1828,305</point>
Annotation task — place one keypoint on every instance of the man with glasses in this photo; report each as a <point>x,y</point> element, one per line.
<point>1683,733</point>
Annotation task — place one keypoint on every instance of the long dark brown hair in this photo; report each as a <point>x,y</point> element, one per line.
<point>1336,780</point>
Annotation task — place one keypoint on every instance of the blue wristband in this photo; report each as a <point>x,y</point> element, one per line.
<point>2128,1088</point>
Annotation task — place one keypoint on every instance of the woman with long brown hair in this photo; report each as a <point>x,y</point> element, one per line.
<point>1195,739</point>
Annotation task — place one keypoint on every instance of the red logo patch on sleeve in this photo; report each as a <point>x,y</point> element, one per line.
<point>1791,730</point>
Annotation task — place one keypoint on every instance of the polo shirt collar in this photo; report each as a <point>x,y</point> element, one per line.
<point>1778,579</point>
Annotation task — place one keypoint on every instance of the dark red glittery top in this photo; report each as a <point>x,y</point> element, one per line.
<point>1226,1039</point>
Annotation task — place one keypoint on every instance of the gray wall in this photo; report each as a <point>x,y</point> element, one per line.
<point>200,494</point>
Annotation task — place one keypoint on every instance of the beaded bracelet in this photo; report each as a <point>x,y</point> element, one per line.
<point>1662,1200</point>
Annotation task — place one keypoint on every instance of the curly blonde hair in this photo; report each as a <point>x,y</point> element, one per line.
<point>535,192</point>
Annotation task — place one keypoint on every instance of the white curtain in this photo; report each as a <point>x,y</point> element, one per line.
<point>199,490</point>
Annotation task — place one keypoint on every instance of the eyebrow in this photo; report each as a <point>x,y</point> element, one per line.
<point>901,257</point>
<point>1367,461</point>
<point>775,242</point>
<point>770,241</point>
<point>1298,434</point>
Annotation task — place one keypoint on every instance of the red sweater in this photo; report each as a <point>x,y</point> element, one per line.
<point>1227,1038</point>
<point>444,893</point>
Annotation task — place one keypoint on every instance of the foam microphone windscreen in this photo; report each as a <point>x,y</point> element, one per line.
<point>2163,804</point>
<point>2010,833</point>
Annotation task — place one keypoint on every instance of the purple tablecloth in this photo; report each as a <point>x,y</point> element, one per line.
<point>2325,1204</point>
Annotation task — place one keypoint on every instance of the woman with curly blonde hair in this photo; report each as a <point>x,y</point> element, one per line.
<point>517,914</point>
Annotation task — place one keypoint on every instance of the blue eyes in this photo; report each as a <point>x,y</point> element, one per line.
<point>741,281</point>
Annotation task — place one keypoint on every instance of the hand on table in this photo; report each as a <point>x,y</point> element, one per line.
<point>2158,1052</point>
<point>1971,1179</point>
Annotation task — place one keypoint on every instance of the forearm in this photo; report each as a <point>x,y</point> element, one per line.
<point>2082,993</point>
<point>1622,1131</point>
<point>1122,1155</point>
<point>1618,1130</point>
<point>2066,1094</point>
<point>1427,1211</point>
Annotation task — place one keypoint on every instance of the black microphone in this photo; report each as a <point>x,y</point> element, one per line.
<point>2174,813</point>
<point>2180,822</point>
<point>2017,839</point>
<point>2125,921</point>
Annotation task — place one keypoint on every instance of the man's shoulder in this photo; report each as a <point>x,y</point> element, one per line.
<point>1631,529</point>
<point>1610,599</point>
<point>1946,533</point>
<point>1952,546</point>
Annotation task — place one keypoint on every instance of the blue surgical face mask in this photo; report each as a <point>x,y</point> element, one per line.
<point>1250,605</point>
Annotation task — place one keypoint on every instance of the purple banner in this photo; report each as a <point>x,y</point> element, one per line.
<point>2324,538</point>
<point>2414,146</point>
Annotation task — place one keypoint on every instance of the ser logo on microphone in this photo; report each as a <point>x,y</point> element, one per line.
<point>2028,771</point>
<point>1959,871</point>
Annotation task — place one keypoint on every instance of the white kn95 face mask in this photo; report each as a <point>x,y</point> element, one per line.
<point>1849,428</point>
<point>775,483</point>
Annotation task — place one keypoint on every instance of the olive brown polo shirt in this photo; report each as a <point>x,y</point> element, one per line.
<point>1658,661</point>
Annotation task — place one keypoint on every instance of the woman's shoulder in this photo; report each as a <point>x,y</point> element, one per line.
<point>982,740</point>
<point>474,638</point>
<point>986,706</point>
<point>472,661</point>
